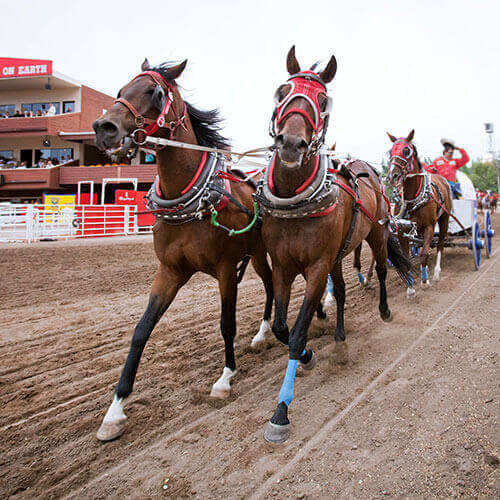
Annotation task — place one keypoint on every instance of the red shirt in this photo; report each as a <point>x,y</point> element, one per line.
<point>448,168</point>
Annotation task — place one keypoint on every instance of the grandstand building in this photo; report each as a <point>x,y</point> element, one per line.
<point>46,115</point>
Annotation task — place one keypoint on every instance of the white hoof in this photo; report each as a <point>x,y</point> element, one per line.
<point>425,284</point>
<point>113,424</point>
<point>260,336</point>
<point>222,388</point>
<point>410,293</point>
<point>328,300</point>
<point>437,272</point>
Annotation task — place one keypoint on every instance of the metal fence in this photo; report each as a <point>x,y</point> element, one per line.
<point>29,223</point>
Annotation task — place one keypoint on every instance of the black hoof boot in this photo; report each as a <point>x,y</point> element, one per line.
<point>278,429</point>
<point>308,360</point>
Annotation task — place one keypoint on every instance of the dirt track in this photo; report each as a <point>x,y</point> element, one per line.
<point>427,426</point>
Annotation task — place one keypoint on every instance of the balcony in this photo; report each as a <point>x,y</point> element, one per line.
<point>43,125</point>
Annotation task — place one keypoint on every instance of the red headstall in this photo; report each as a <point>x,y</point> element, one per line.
<point>140,135</point>
<point>405,152</point>
<point>308,86</point>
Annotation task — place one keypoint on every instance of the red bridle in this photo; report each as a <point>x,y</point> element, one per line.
<point>140,134</point>
<point>309,86</point>
<point>403,151</point>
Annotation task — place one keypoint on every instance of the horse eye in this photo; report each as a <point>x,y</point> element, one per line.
<point>281,93</point>
<point>406,152</point>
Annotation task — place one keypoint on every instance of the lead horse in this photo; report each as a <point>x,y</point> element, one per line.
<point>315,213</point>
<point>191,187</point>
<point>426,200</point>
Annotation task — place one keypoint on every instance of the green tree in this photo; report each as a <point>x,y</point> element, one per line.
<point>483,175</point>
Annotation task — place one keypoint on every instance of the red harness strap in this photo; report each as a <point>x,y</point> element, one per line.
<point>349,191</point>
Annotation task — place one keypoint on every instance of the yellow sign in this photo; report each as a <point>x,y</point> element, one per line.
<point>56,205</point>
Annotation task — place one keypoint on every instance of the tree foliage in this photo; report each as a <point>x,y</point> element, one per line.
<point>483,175</point>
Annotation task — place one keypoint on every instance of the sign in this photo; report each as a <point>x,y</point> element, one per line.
<point>125,197</point>
<point>56,206</point>
<point>131,197</point>
<point>14,68</point>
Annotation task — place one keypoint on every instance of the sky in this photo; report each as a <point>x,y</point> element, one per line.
<point>429,65</point>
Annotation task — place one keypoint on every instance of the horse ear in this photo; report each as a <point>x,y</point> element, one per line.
<point>391,137</point>
<point>175,71</point>
<point>292,65</point>
<point>334,146</point>
<point>411,135</point>
<point>145,65</point>
<point>329,72</point>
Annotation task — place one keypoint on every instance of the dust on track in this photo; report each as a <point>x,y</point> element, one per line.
<point>68,312</point>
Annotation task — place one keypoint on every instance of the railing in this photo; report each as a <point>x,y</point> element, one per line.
<point>29,223</point>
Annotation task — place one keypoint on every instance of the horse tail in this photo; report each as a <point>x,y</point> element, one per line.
<point>399,259</point>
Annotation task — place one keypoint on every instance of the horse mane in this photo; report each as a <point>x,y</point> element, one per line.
<point>206,123</point>
<point>417,158</point>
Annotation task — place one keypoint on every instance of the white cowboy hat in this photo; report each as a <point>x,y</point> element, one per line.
<point>448,141</point>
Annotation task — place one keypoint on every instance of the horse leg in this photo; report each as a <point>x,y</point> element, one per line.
<point>443,231</point>
<point>357,265</point>
<point>165,287</point>
<point>329,292</point>
<point>424,255</point>
<point>261,266</point>
<point>378,244</point>
<point>278,428</point>
<point>339,292</point>
<point>228,287</point>
<point>405,245</point>
<point>282,283</point>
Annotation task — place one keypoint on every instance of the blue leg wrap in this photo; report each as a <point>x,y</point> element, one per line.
<point>329,286</point>
<point>286,392</point>
<point>411,278</point>
<point>361,278</point>
<point>425,273</point>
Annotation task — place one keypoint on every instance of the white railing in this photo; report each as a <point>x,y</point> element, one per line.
<point>30,223</point>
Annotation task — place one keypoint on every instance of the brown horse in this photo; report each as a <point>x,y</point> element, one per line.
<point>186,193</point>
<point>313,217</point>
<point>426,200</point>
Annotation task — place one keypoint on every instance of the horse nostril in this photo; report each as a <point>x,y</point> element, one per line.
<point>106,127</point>
<point>302,145</point>
<point>279,140</point>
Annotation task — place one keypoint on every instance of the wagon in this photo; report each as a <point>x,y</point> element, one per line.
<point>468,230</point>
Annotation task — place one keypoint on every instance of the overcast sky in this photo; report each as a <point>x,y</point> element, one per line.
<point>429,65</point>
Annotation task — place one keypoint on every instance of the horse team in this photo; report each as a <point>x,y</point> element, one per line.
<point>306,212</point>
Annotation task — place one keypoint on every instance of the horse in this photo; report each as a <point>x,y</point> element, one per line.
<point>313,215</point>
<point>192,187</point>
<point>426,199</point>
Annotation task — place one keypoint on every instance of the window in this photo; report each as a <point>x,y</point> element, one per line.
<point>68,106</point>
<point>6,154</point>
<point>7,109</point>
<point>41,107</point>
<point>61,154</point>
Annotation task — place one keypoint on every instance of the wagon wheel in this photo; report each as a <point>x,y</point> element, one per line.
<point>476,244</point>
<point>488,233</point>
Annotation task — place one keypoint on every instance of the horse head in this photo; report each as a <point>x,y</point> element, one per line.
<point>148,105</point>
<point>301,111</point>
<point>402,156</point>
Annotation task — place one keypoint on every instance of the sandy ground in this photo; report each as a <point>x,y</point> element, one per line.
<point>414,413</point>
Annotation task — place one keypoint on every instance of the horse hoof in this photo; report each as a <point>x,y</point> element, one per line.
<point>387,319</point>
<point>410,293</point>
<point>277,433</point>
<point>111,430</point>
<point>310,364</point>
<point>218,393</point>
<point>436,278</point>
<point>425,284</point>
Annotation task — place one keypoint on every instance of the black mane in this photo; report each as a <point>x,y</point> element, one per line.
<point>417,158</point>
<point>206,124</point>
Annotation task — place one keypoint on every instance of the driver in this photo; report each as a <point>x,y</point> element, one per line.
<point>447,166</point>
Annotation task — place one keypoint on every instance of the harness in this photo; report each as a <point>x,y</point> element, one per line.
<point>162,98</point>
<point>309,86</point>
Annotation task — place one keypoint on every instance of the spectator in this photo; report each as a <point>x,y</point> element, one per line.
<point>41,163</point>
<point>23,164</point>
<point>52,110</point>
<point>18,114</point>
<point>49,163</point>
<point>38,113</point>
<point>12,163</point>
<point>55,161</point>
